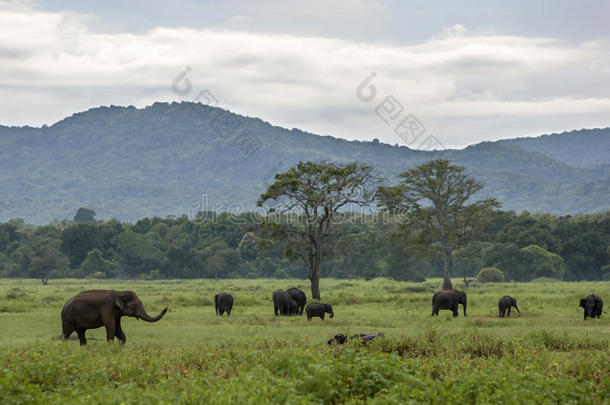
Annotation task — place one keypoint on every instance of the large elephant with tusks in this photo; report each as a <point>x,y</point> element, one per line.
<point>448,299</point>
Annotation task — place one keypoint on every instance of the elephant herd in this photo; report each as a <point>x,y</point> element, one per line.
<point>450,299</point>
<point>96,308</point>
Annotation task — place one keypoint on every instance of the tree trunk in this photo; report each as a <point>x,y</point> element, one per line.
<point>315,287</point>
<point>446,267</point>
<point>314,275</point>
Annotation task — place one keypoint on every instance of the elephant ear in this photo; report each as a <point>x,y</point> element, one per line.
<point>120,301</point>
<point>582,302</point>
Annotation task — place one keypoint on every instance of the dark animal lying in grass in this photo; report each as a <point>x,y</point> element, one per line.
<point>341,339</point>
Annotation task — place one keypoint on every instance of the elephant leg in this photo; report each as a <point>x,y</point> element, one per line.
<point>119,332</point>
<point>228,312</point>
<point>81,336</point>
<point>67,331</point>
<point>455,311</point>
<point>508,312</point>
<point>110,331</point>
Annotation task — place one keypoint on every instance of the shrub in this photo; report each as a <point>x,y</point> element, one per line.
<point>490,275</point>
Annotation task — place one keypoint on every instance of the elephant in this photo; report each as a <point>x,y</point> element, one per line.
<point>341,339</point>
<point>283,304</point>
<point>319,309</point>
<point>593,306</point>
<point>96,308</point>
<point>506,303</point>
<point>300,298</point>
<point>223,303</point>
<point>448,299</point>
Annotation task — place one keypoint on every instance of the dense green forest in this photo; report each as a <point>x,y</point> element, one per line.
<point>130,163</point>
<point>523,246</point>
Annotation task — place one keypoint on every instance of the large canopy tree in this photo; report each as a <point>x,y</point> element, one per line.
<point>433,197</point>
<point>308,198</point>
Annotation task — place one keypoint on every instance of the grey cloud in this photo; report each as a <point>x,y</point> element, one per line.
<point>464,86</point>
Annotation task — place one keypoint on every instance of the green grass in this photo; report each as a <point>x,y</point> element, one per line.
<point>549,354</point>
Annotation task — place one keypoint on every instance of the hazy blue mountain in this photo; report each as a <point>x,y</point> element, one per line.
<point>583,148</point>
<point>128,163</point>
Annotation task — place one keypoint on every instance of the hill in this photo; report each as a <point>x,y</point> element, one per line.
<point>127,163</point>
<point>581,148</point>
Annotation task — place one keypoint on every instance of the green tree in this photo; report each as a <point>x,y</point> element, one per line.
<point>78,240</point>
<point>315,192</point>
<point>541,263</point>
<point>357,255</point>
<point>136,253</point>
<point>447,222</point>
<point>95,263</point>
<point>84,215</point>
<point>490,275</point>
<point>46,258</point>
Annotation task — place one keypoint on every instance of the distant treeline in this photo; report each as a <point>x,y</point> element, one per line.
<point>524,246</point>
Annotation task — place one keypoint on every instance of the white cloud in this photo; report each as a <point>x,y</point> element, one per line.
<point>464,87</point>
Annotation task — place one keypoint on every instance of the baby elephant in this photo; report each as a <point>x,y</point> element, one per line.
<point>593,306</point>
<point>223,303</point>
<point>505,303</point>
<point>318,309</point>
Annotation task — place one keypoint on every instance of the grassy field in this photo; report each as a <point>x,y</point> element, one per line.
<point>549,354</point>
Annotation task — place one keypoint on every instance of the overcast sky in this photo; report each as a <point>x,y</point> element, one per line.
<point>468,71</point>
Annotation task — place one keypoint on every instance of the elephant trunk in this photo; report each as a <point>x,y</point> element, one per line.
<point>517,309</point>
<point>464,308</point>
<point>144,316</point>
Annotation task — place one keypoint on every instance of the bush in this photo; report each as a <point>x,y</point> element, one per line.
<point>490,275</point>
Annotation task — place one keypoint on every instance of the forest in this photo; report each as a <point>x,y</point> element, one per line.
<point>523,246</point>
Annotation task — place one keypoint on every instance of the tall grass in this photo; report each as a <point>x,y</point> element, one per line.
<point>549,354</point>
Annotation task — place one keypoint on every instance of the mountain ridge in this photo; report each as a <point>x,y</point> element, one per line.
<point>127,163</point>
